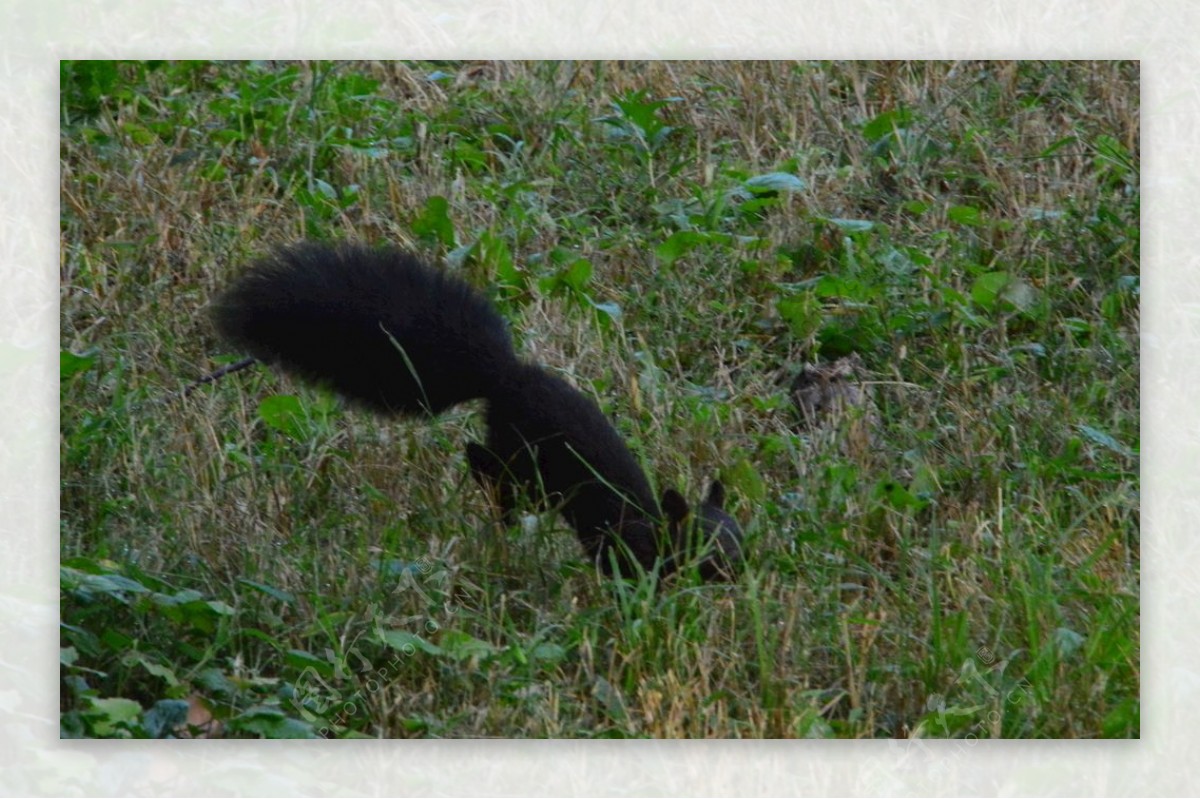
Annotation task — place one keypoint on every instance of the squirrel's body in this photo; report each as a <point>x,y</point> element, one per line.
<point>546,438</point>
<point>399,337</point>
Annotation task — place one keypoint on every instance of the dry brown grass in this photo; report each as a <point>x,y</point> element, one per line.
<point>973,571</point>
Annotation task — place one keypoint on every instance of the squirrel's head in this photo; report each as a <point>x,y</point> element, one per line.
<point>711,538</point>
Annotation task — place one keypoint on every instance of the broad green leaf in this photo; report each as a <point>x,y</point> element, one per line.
<point>610,309</point>
<point>886,123</point>
<point>434,223</point>
<point>300,660</point>
<point>850,225</point>
<point>270,722</point>
<point>408,643</point>
<point>70,364</point>
<point>112,715</point>
<point>143,659</point>
<point>285,413</point>
<point>269,590</point>
<point>1104,440</point>
<point>578,274</point>
<point>462,646</point>
<point>965,215</point>
<point>1067,641</point>
<point>677,244</point>
<point>775,181</point>
<point>802,312</point>
<point>1001,291</point>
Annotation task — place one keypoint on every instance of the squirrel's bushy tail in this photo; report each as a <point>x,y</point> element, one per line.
<point>375,325</point>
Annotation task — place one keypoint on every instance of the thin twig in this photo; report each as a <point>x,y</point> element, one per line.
<point>224,370</point>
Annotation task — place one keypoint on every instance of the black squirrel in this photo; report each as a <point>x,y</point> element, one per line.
<point>390,333</point>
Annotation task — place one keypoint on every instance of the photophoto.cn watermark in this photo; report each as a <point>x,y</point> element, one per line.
<point>974,704</point>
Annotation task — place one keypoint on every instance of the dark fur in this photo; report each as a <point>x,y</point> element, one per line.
<point>399,337</point>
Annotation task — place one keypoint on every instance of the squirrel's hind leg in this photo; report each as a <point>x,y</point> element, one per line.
<point>492,475</point>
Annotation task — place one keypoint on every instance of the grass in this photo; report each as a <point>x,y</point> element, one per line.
<point>958,558</point>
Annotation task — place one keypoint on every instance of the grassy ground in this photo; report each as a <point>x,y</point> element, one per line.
<point>959,557</point>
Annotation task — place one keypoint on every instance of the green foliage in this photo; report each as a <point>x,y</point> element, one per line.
<point>636,122</point>
<point>434,225</point>
<point>126,631</point>
<point>571,280</point>
<point>957,558</point>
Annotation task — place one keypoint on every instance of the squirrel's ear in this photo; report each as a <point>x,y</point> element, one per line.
<point>716,495</point>
<point>675,506</point>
